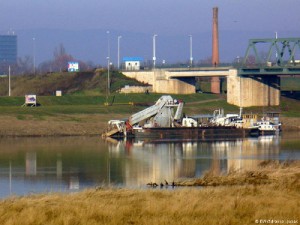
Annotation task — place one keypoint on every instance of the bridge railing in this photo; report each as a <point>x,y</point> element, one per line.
<point>263,69</point>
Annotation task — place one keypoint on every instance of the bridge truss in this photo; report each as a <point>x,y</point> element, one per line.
<point>285,62</point>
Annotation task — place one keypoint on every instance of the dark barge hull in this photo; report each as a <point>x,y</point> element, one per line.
<point>268,132</point>
<point>194,133</point>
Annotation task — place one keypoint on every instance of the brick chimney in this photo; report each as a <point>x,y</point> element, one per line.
<point>215,81</point>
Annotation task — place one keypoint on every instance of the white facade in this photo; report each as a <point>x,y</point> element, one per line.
<point>132,65</point>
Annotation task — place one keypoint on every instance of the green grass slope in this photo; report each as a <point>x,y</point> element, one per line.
<point>81,83</point>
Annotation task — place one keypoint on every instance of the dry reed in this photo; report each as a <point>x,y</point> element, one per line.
<point>277,200</point>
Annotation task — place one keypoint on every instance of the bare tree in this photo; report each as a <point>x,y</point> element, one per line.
<point>61,59</point>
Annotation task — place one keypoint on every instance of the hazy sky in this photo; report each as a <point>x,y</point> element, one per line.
<point>161,16</point>
<point>164,17</point>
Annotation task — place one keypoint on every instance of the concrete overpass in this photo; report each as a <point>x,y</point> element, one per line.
<point>183,77</point>
<point>197,72</point>
<point>254,83</point>
<point>245,88</point>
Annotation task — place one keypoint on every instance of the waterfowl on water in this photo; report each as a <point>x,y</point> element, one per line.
<point>152,184</point>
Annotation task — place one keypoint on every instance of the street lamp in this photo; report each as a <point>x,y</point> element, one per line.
<point>108,62</point>
<point>191,50</point>
<point>9,89</point>
<point>108,43</point>
<point>33,39</point>
<point>154,48</point>
<point>119,37</point>
<point>108,81</point>
<point>276,54</point>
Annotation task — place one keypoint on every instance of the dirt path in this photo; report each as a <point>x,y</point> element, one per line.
<point>204,101</point>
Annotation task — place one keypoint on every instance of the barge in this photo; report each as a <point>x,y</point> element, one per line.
<point>165,120</point>
<point>194,133</point>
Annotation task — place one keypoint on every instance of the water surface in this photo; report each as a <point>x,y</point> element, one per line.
<point>34,165</point>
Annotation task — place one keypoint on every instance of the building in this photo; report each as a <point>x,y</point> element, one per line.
<point>132,63</point>
<point>8,49</point>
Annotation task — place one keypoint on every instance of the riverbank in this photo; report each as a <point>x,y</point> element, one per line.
<point>242,203</point>
<point>78,124</point>
<point>59,125</point>
<point>73,115</point>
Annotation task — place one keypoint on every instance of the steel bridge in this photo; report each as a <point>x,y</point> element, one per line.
<point>284,62</point>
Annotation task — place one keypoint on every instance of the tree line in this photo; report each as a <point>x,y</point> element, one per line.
<point>26,65</point>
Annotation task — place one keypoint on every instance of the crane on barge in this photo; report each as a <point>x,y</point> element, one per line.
<point>161,114</point>
<point>165,119</point>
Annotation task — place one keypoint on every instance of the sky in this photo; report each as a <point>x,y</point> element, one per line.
<point>81,26</point>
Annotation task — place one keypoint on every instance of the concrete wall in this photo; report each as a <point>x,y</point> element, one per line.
<point>233,88</point>
<point>136,89</point>
<point>142,76</point>
<point>161,83</point>
<point>253,91</point>
<point>173,86</point>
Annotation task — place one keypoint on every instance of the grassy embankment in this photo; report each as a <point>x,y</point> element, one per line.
<point>81,110</point>
<point>272,193</point>
<point>240,198</point>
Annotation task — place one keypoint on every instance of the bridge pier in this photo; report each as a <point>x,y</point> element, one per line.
<point>242,90</point>
<point>175,86</point>
<point>253,91</point>
<point>180,85</point>
<point>215,85</point>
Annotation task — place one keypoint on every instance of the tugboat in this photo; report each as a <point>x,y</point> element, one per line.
<point>269,124</point>
<point>164,120</point>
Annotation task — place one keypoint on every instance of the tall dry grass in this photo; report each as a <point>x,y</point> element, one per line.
<point>269,172</point>
<point>278,200</point>
<point>222,205</point>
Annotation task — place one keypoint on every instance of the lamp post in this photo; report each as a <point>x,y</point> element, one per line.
<point>276,54</point>
<point>154,49</point>
<point>108,80</point>
<point>108,43</point>
<point>33,39</point>
<point>108,62</point>
<point>119,37</point>
<point>191,50</point>
<point>9,89</point>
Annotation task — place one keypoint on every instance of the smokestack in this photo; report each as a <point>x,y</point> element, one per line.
<point>215,81</point>
<point>215,38</point>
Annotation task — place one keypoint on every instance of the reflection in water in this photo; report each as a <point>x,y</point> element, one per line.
<point>67,164</point>
<point>247,154</point>
<point>59,168</point>
<point>30,163</point>
<point>156,162</point>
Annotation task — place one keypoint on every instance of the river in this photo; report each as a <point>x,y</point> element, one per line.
<point>70,164</point>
